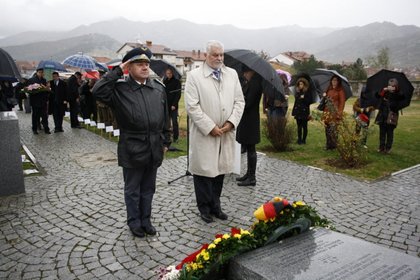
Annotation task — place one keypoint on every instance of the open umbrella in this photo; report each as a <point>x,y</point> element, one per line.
<point>51,64</point>
<point>322,78</point>
<point>272,84</point>
<point>8,68</point>
<point>101,66</point>
<point>91,75</point>
<point>113,62</point>
<point>159,66</point>
<point>287,74</point>
<point>378,81</point>
<point>80,61</point>
<point>313,89</point>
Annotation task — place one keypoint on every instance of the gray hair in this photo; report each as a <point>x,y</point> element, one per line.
<point>214,44</point>
<point>393,81</point>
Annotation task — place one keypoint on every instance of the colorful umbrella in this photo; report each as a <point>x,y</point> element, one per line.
<point>287,74</point>
<point>80,61</point>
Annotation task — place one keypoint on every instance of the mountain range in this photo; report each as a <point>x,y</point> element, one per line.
<point>328,44</point>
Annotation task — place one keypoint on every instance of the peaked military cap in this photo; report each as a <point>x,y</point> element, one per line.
<point>140,53</point>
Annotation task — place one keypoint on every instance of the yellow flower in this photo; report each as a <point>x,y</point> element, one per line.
<point>244,232</point>
<point>212,245</point>
<point>277,199</point>
<point>206,256</point>
<point>226,236</point>
<point>237,236</point>
<point>217,240</point>
<point>300,203</point>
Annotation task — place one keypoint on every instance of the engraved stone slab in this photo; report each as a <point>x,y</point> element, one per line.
<point>325,255</point>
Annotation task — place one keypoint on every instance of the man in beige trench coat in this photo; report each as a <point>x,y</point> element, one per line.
<point>214,102</point>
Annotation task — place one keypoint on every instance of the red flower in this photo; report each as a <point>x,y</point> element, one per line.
<point>218,235</point>
<point>234,231</point>
<point>192,257</point>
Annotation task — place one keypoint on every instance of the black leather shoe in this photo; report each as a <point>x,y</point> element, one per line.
<point>35,132</point>
<point>47,132</point>
<point>207,218</point>
<point>248,182</point>
<point>137,232</point>
<point>243,178</point>
<point>220,215</point>
<point>150,230</point>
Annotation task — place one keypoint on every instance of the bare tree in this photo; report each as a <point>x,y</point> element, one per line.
<point>381,60</point>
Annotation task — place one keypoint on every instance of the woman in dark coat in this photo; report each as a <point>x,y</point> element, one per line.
<point>390,97</point>
<point>303,100</point>
<point>248,131</point>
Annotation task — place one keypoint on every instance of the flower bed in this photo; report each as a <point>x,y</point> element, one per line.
<point>276,219</point>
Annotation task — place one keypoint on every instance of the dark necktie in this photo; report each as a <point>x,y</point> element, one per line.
<point>216,74</point>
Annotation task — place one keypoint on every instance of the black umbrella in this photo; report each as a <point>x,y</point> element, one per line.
<point>378,81</point>
<point>322,78</point>
<point>313,89</point>
<point>272,84</point>
<point>8,68</point>
<point>159,66</point>
<point>51,64</point>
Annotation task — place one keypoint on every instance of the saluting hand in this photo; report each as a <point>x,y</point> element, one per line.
<point>123,65</point>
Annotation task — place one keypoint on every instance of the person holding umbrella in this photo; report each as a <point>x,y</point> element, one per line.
<point>248,131</point>
<point>214,102</point>
<point>387,117</point>
<point>333,111</point>
<point>301,112</point>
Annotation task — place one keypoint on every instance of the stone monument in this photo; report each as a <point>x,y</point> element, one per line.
<point>11,173</point>
<point>325,255</point>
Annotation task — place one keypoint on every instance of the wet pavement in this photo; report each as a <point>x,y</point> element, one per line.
<point>70,223</point>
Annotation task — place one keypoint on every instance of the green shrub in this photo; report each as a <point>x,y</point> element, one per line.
<point>279,132</point>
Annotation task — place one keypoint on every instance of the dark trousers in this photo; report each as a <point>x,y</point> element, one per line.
<point>74,111</point>
<point>174,121</point>
<point>39,113</point>
<point>207,193</point>
<point>302,129</point>
<point>386,136</point>
<point>58,114</point>
<point>139,188</point>
<point>252,160</point>
<point>331,135</point>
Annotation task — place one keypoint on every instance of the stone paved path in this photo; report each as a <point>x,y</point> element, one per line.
<point>70,223</point>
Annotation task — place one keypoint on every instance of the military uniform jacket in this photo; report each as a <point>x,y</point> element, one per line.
<point>142,116</point>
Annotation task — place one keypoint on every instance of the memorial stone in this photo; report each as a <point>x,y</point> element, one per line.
<point>11,173</point>
<point>325,255</point>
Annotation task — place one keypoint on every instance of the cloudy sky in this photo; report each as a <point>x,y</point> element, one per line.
<point>23,15</point>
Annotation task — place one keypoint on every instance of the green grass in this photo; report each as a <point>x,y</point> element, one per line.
<point>405,151</point>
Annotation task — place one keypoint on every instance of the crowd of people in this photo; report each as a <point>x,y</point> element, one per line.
<point>55,97</point>
<point>221,109</point>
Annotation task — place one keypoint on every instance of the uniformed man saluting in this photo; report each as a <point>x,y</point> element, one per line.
<point>140,107</point>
